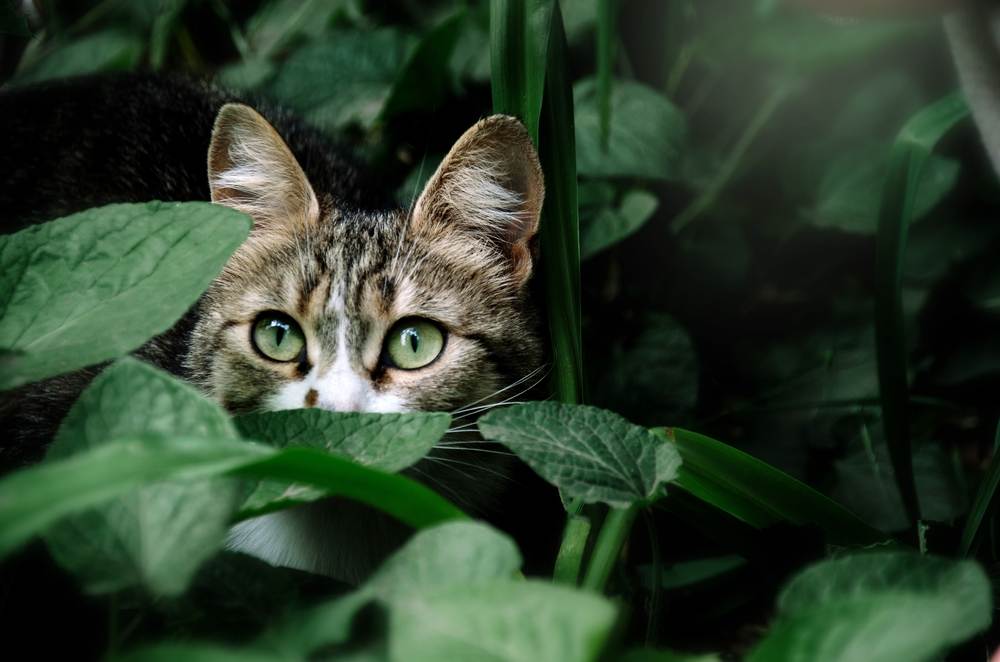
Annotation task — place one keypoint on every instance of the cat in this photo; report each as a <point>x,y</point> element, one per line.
<point>338,299</point>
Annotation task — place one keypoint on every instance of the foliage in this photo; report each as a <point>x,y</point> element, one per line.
<point>727,175</point>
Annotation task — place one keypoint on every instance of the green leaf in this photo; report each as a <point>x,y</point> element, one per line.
<point>984,504</point>
<point>157,536</point>
<point>455,554</point>
<point>33,499</point>
<point>650,655</point>
<point>588,453</point>
<point>646,133</point>
<point>96,285</point>
<point>878,607</point>
<point>612,223</point>
<point>508,621</point>
<point>343,79</point>
<point>759,494</point>
<point>850,190</point>
<point>390,442</point>
<point>247,74</point>
<point>111,50</point>
<point>280,22</point>
<point>910,155</point>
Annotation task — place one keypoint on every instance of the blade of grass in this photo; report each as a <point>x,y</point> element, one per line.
<point>605,64</point>
<point>519,45</point>
<point>984,505</point>
<point>910,152</point>
<point>33,499</point>
<point>759,494</point>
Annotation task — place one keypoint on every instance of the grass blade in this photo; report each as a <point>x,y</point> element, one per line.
<point>984,505</point>
<point>910,152</point>
<point>605,64</point>
<point>759,494</point>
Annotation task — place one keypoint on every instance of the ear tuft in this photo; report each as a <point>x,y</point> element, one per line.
<point>490,185</point>
<point>251,169</point>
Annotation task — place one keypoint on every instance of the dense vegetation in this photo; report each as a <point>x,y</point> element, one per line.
<point>768,227</point>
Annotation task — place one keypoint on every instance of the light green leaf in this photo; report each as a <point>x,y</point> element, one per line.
<point>502,621</point>
<point>111,50</point>
<point>608,225</point>
<point>343,79</point>
<point>96,285</point>
<point>390,442</point>
<point>157,536</point>
<point>588,453</point>
<point>647,132</point>
<point>851,189</point>
<point>878,607</point>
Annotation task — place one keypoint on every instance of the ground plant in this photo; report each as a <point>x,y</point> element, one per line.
<point>771,299</point>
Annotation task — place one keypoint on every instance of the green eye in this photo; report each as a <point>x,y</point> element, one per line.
<point>413,343</point>
<point>278,337</point>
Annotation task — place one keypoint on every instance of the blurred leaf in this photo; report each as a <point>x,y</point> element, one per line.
<point>155,537</point>
<point>508,621</point>
<point>654,378</point>
<point>588,453</point>
<point>646,134</point>
<point>280,22</point>
<point>885,606</point>
<point>425,80</point>
<point>850,191</point>
<point>390,442</point>
<point>247,74</point>
<point>759,494</point>
<point>899,203</point>
<point>133,268</point>
<point>12,20</point>
<point>111,50</point>
<point>193,652</point>
<point>346,78</point>
<point>651,655</point>
<point>611,224</point>
<point>689,573</point>
<point>984,505</point>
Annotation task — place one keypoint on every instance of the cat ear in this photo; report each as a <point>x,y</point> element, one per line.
<point>251,169</point>
<point>490,185</point>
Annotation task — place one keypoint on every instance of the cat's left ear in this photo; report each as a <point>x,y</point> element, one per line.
<point>490,187</point>
<point>251,169</point>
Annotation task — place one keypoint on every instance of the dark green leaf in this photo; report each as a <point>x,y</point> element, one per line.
<point>96,285</point>
<point>112,50</point>
<point>878,607</point>
<point>155,537</point>
<point>588,453</point>
<point>613,223</point>
<point>646,133</point>
<point>425,81</point>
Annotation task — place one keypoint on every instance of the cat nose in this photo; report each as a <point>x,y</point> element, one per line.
<point>343,391</point>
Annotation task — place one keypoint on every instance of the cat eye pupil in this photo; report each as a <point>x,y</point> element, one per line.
<point>413,336</point>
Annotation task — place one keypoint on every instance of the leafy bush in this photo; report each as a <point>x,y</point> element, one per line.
<point>695,189</point>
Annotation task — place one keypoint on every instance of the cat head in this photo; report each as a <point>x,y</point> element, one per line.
<point>345,309</point>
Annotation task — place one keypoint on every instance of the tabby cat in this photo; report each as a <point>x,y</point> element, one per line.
<point>338,299</point>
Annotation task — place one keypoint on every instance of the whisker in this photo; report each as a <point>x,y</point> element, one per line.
<point>470,464</point>
<point>526,377</point>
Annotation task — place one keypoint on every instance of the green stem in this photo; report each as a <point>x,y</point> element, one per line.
<point>614,531</point>
<point>574,544</point>
<point>605,65</point>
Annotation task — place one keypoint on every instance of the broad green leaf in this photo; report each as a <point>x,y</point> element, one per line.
<point>459,554</point>
<point>909,157</point>
<point>112,50</point>
<point>613,223</point>
<point>588,453</point>
<point>247,74</point>
<point>155,537</point>
<point>424,81</point>
<point>646,133</point>
<point>279,22</point>
<point>848,198</point>
<point>877,607</point>
<point>33,499</point>
<point>344,78</point>
<point>503,621</point>
<point>96,285</point>
<point>757,493</point>
<point>390,442</point>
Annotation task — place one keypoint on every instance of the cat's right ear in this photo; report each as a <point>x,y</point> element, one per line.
<point>251,170</point>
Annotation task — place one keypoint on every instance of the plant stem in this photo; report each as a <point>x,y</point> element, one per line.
<point>574,544</point>
<point>605,65</point>
<point>610,539</point>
